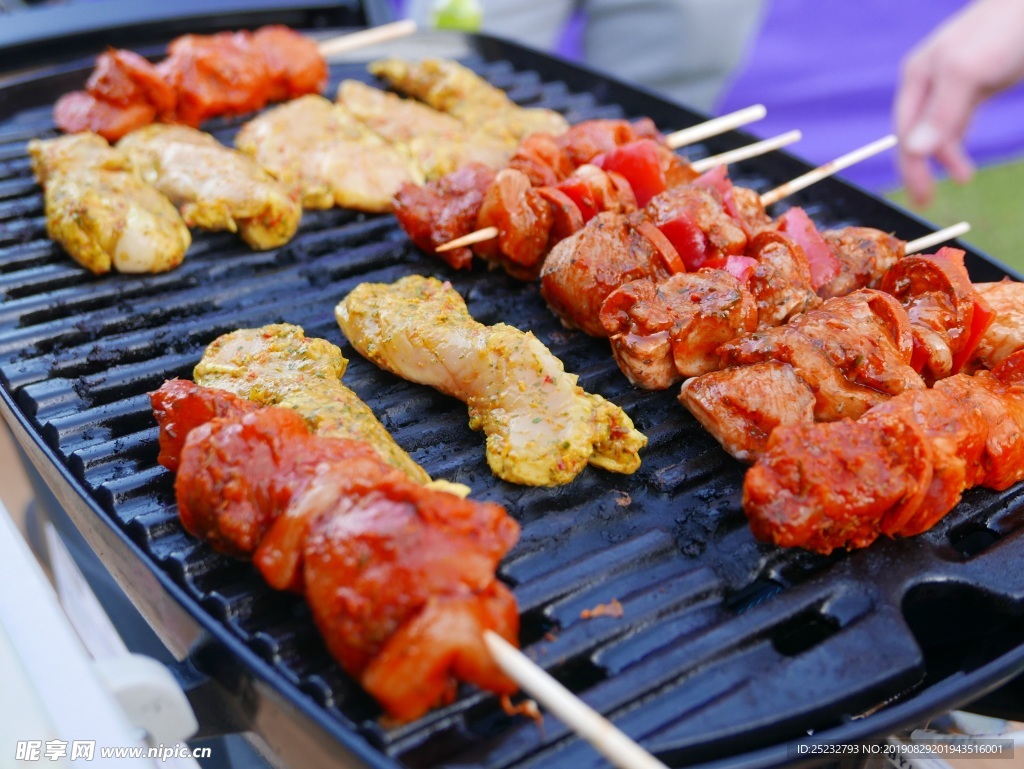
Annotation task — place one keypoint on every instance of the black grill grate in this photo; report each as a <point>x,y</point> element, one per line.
<point>725,645</point>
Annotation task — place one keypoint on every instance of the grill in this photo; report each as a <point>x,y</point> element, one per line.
<point>727,649</point>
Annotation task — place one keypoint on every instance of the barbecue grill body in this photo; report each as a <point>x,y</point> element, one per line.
<point>727,651</point>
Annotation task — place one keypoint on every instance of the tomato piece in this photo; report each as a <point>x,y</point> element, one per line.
<point>579,192</point>
<point>690,241</point>
<point>822,260</point>
<point>715,179</point>
<point>639,163</point>
<point>980,321</point>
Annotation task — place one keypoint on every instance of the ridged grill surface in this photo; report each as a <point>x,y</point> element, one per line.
<point>724,644</point>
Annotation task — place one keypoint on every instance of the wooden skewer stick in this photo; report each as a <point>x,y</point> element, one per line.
<point>946,233</point>
<point>700,166</point>
<point>477,236</point>
<point>716,126</point>
<point>745,153</point>
<point>823,172</point>
<point>609,741</point>
<point>371,36</point>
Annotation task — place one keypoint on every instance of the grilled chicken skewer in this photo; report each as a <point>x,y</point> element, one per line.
<point>542,428</point>
<point>101,212</point>
<point>325,157</point>
<point>278,365</point>
<point>845,357</point>
<point>400,578</point>
<point>214,187</point>
<point>896,470</point>
<point>205,75</point>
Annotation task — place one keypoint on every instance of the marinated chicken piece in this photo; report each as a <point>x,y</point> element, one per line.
<point>294,64</point>
<point>663,332</point>
<point>214,187</point>
<point>123,93</point>
<point>103,215</point>
<point>400,578</point>
<point>895,471</point>
<point>852,353</point>
<point>524,221</point>
<point>542,159</point>
<point>865,254</point>
<point>1006,334</point>
<point>781,281</point>
<point>742,406</point>
<point>278,365</point>
<point>450,87</point>
<point>542,428</point>
<point>584,269</point>
<point>325,157</point>
<point>438,142</point>
<point>179,406</point>
<point>443,210</point>
<point>744,205</point>
<point>401,581</point>
<point>585,141</point>
<point>221,74</point>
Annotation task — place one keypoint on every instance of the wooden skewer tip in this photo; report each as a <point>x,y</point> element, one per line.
<point>716,126</point>
<point>606,738</point>
<point>746,153</point>
<point>938,237</point>
<point>477,236</point>
<point>371,36</point>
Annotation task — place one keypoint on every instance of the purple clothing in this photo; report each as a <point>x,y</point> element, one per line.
<point>831,69</point>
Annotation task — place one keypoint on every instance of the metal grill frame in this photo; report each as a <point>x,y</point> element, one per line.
<point>251,692</point>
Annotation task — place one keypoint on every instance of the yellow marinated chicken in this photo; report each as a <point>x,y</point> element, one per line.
<point>542,428</point>
<point>213,186</point>
<point>325,157</point>
<point>450,87</point>
<point>436,141</point>
<point>278,365</point>
<point>101,212</point>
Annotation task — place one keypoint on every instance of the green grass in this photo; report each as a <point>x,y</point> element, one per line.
<point>993,202</point>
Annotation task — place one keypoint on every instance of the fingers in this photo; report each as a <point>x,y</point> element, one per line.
<point>917,176</point>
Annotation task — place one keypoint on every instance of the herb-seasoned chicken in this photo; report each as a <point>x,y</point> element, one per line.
<point>101,212</point>
<point>325,157</point>
<point>542,428</point>
<point>278,365</point>
<point>1006,334</point>
<point>436,141</point>
<point>214,187</point>
<point>450,87</point>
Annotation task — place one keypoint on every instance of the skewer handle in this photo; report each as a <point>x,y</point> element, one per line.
<point>716,126</point>
<point>946,233</point>
<point>823,172</point>
<point>609,741</point>
<point>477,236</point>
<point>745,153</point>
<point>371,36</point>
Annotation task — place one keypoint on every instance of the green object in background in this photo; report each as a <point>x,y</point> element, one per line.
<point>992,202</point>
<point>462,15</point>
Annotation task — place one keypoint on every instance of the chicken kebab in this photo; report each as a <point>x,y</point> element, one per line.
<point>229,73</point>
<point>101,212</point>
<point>542,428</point>
<point>845,357</point>
<point>896,470</point>
<point>400,578</point>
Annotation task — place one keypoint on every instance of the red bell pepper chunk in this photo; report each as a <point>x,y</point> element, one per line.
<point>715,179</point>
<point>690,241</point>
<point>740,267</point>
<point>824,263</point>
<point>980,321</point>
<point>640,164</point>
<point>580,194</point>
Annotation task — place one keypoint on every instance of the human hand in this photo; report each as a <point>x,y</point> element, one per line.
<point>973,55</point>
